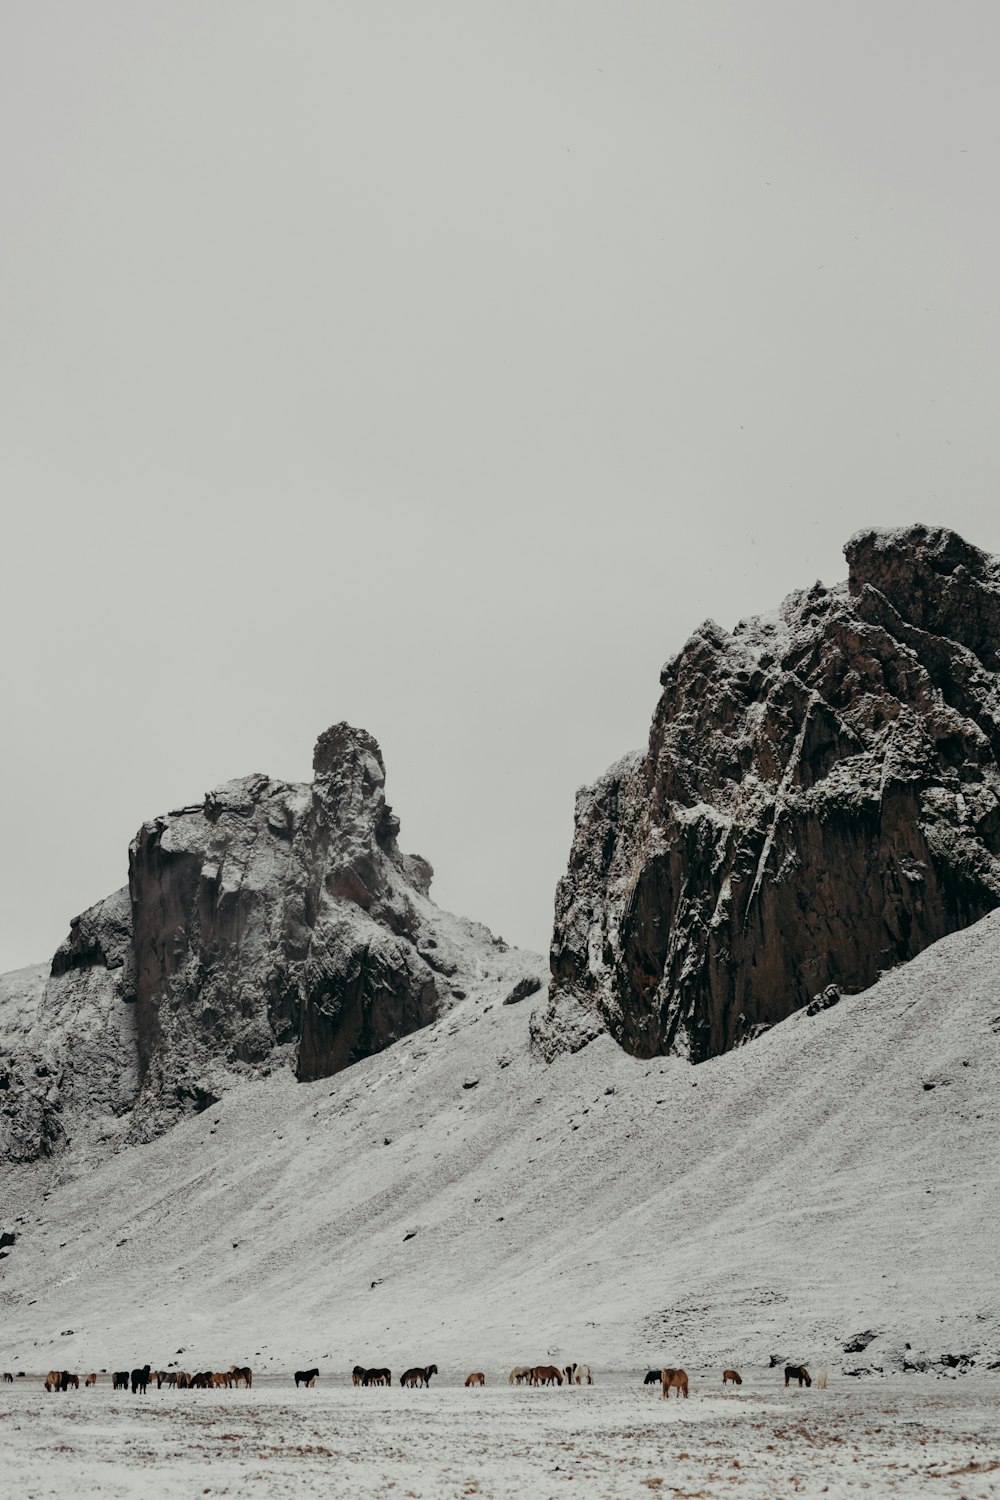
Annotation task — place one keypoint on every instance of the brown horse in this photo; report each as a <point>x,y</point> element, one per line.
<point>546,1375</point>
<point>358,1374</point>
<point>53,1380</point>
<point>222,1377</point>
<point>476,1378</point>
<point>418,1375</point>
<point>677,1379</point>
<point>90,1380</point>
<point>733,1375</point>
<point>241,1372</point>
<point>8,1378</point>
<point>799,1373</point>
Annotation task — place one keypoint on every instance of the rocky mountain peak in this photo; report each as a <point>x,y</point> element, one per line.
<point>272,924</point>
<point>819,800</point>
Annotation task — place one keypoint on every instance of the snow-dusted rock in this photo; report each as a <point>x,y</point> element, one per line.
<point>819,801</point>
<point>270,925</point>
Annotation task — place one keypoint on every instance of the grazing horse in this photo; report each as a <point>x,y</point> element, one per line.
<point>69,1379</point>
<point>676,1378</point>
<point>222,1378</point>
<point>53,1380</point>
<point>308,1377</point>
<point>733,1375</point>
<point>202,1381</point>
<point>241,1372</point>
<point>418,1375</point>
<point>546,1375</point>
<point>799,1373</point>
<point>652,1377</point>
<point>90,1380</point>
<point>477,1378</point>
<point>519,1375</point>
<point>8,1378</point>
<point>579,1375</point>
<point>119,1380</point>
<point>140,1380</point>
<point>377,1377</point>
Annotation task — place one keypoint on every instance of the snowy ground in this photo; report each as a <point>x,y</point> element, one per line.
<point>454,1200</point>
<point>900,1436</point>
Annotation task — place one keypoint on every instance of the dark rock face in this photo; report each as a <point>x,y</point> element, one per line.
<point>270,925</point>
<point>820,799</point>
<point>100,936</point>
<point>282,917</point>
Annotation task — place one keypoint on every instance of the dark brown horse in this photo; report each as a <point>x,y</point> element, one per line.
<point>119,1380</point>
<point>733,1375</point>
<point>377,1377</point>
<point>418,1375</point>
<point>799,1373</point>
<point>308,1377</point>
<point>546,1375</point>
<point>241,1372</point>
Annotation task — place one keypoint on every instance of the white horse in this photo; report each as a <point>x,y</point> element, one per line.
<point>519,1374</point>
<point>579,1375</point>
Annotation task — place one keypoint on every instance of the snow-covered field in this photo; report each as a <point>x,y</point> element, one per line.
<point>832,1186</point>
<point>898,1436</point>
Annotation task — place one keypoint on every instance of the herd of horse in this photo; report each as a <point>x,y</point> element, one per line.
<point>142,1378</point>
<point>548,1375</point>
<point>419,1375</point>
<point>670,1379</point>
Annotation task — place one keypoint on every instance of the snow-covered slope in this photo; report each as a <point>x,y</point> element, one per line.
<point>455,1199</point>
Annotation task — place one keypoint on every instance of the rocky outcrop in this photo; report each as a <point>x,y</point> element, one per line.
<point>819,800</point>
<point>271,924</point>
<point>68,1061</point>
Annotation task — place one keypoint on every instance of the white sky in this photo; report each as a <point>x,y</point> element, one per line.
<point>439,366</point>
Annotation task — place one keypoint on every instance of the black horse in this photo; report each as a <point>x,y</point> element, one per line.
<point>305,1377</point>
<point>119,1380</point>
<point>799,1373</point>
<point>140,1380</point>
<point>652,1377</point>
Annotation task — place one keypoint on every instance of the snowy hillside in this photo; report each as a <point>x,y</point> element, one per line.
<point>455,1199</point>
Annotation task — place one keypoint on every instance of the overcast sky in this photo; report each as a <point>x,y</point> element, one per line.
<point>438,367</point>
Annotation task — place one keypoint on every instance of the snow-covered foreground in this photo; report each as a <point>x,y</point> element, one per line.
<point>917,1436</point>
<point>454,1200</point>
